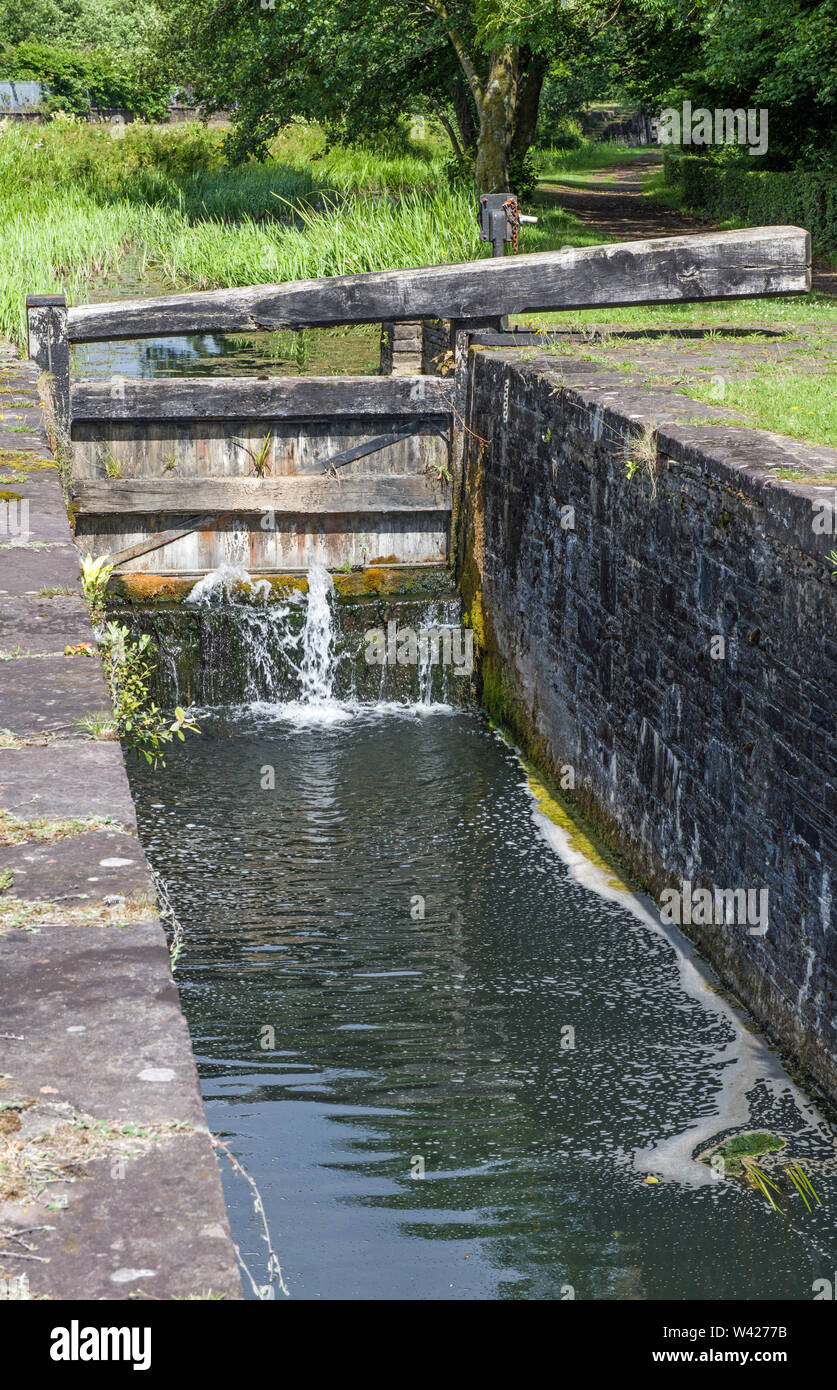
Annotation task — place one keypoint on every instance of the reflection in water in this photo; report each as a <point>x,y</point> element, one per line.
<point>312,352</point>
<point>392,913</point>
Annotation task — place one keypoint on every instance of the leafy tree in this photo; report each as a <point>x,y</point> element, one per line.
<point>777,54</point>
<point>781,55</point>
<point>357,66</point>
<point>88,52</point>
<point>79,24</point>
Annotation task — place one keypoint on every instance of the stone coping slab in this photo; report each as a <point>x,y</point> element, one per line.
<point>83,868</point>
<point>744,459</point>
<point>30,570</point>
<point>49,694</point>
<point>66,779</point>
<point>43,625</point>
<point>99,1015</point>
<point>98,1084</point>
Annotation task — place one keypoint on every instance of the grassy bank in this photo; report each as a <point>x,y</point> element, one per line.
<point>790,392</point>
<point>782,382</point>
<point>74,202</point>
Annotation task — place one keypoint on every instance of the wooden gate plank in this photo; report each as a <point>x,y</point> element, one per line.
<point>278,398</point>
<point>711,265</point>
<point>291,496</point>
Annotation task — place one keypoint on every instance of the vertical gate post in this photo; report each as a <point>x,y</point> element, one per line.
<point>401,348</point>
<point>461,331</point>
<point>46,319</point>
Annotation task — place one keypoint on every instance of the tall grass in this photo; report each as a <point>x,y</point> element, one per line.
<point>588,156</point>
<point>343,237</point>
<point>74,201</point>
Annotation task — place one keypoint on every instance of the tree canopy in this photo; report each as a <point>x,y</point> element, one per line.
<point>88,52</point>
<point>359,67</point>
<point>478,65</point>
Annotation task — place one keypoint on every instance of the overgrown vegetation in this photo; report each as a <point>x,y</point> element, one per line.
<point>738,193</point>
<point>138,722</point>
<point>85,53</point>
<point>74,201</point>
<point>128,664</point>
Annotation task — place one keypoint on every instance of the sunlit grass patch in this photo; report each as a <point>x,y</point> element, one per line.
<point>799,404</point>
<point>15,830</point>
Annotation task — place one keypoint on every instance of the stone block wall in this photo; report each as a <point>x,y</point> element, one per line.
<point>655,610</point>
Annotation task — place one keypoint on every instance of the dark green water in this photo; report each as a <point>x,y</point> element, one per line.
<point>397,1037</point>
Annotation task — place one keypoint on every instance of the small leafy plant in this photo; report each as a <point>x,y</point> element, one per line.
<point>95,574</point>
<point>137,719</point>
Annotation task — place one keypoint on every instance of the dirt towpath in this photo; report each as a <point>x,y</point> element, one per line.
<point>612,202</point>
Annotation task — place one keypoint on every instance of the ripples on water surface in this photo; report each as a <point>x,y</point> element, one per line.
<point>397,1037</point>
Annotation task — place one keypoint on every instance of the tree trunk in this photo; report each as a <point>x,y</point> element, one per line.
<point>463,109</point>
<point>447,126</point>
<point>512,73</point>
<point>533,71</point>
<point>496,116</point>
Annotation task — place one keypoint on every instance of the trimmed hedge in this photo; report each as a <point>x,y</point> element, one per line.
<point>757,197</point>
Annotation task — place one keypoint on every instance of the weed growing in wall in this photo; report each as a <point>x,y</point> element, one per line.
<point>139,722</point>
<point>128,664</point>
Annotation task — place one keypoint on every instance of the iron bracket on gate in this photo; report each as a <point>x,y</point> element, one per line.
<point>372,446</point>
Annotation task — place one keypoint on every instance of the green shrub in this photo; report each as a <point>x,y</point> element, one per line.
<point>757,197</point>
<point>138,722</point>
<point>78,79</point>
<point>523,173</point>
<point>566,134</point>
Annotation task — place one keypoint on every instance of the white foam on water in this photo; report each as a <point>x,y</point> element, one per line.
<point>302,712</point>
<point>330,712</point>
<point>227,584</point>
<point>741,1065</point>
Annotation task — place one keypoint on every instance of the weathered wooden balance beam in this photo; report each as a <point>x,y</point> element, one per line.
<point>713,265</point>
<point>392,439</point>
